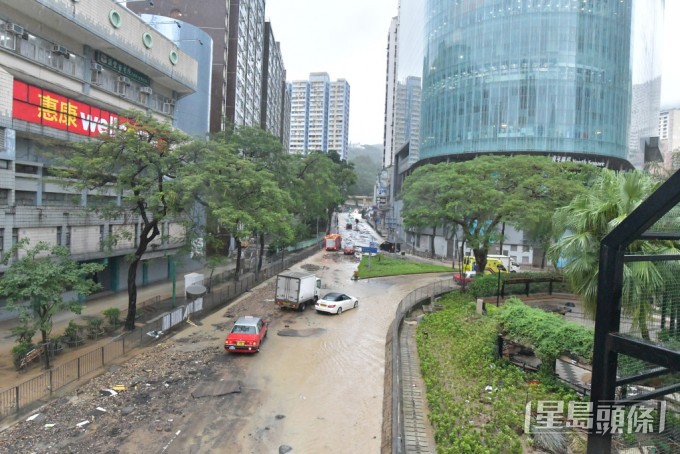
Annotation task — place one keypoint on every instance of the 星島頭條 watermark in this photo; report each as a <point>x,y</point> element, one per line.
<point>635,417</point>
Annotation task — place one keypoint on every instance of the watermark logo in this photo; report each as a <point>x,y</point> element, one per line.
<point>551,415</point>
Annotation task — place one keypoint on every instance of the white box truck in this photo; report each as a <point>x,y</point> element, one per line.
<point>295,289</point>
<point>508,262</point>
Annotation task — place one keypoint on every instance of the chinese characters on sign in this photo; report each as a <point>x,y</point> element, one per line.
<point>35,105</point>
<point>121,68</point>
<point>611,418</point>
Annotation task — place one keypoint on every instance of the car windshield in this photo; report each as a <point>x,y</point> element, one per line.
<point>244,329</point>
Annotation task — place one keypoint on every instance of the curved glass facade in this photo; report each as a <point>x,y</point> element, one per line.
<point>526,76</point>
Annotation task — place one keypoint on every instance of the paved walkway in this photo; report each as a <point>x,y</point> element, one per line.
<point>418,433</point>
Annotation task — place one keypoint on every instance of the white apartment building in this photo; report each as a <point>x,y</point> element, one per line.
<point>299,114</point>
<point>338,116</point>
<point>67,71</point>
<point>669,136</point>
<point>319,115</point>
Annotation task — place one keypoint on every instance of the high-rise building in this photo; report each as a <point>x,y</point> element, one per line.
<point>338,117</point>
<point>573,80</point>
<point>403,89</point>
<point>299,116</point>
<point>319,115</point>
<point>406,118</point>
<point>646,35</point>
<point>273,99</point>
<point>237,28</point>
<point>669,137</point>
<point>244,62</point>
<point>390,93</point>
<point>68,71</point>
<point>558,82</point>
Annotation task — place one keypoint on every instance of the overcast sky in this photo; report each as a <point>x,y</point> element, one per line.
<point>348,40</point>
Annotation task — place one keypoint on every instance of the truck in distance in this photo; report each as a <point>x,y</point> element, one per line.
<point>333,242</point>
<point>294,290</point>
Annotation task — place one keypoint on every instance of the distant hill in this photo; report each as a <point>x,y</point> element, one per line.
<point>367,160</point>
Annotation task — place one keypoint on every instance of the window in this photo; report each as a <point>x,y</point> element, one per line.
<point>59,233</point>
<point>22,168</point>
<point>101,237</point>
<point>68,236</point>
<point>2,243</point>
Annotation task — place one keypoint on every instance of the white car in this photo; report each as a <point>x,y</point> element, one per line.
<point>335,303</point>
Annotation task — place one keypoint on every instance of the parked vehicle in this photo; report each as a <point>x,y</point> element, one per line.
<point>246,335</point>
<point>508,262</point>
<point>388,246</point>
<point>335,303</point>
<point>492,265</point>
<point>294,290</point>
<point>463,278</point>
<point>333,242</point>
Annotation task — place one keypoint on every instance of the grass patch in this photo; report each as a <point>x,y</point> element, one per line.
<point>381,265</point>
<point>456,347</point>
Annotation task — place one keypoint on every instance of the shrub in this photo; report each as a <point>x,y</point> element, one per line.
<point>73,330</point>
<point>112,316</point>
<point>548,334</point>
<point>20,350</point>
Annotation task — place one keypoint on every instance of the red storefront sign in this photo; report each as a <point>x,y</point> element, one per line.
<point>35,105</point>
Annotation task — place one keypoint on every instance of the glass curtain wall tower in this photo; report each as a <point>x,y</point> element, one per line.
<point>527,76</point>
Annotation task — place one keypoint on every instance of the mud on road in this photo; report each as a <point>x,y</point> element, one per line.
<point>157,393</point>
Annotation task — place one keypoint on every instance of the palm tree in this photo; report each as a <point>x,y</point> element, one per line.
<point>583,223</point>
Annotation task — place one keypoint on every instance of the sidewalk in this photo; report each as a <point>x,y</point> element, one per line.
<point>95,305</point>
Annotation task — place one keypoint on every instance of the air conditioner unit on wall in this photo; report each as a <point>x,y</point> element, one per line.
<point>168,109</point>
<point>14,28</point>
<point>96,67</point>
<point>146,90</point>
<point>59,49</point>
<point>124,80</point>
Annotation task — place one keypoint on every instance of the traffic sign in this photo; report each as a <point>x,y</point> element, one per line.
<point>369,250</point>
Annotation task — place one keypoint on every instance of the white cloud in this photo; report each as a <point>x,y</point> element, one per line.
<point>348,40</point>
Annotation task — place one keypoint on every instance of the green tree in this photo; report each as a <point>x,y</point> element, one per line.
<point>589,218</point>
<point>322,183</point>
<point>240,195</point>
<point>480,194</point>
<point>273,210</point>
<point>134,169</point>
<point>35,285</point>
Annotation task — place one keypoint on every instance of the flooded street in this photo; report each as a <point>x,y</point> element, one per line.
<point>316,386</point>
<point>317,383</point>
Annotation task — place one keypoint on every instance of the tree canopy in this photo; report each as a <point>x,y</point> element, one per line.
<point>480,194</point>
<point>131,173</point>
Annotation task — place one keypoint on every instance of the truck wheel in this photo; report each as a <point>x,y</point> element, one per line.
<point>303,306</point>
